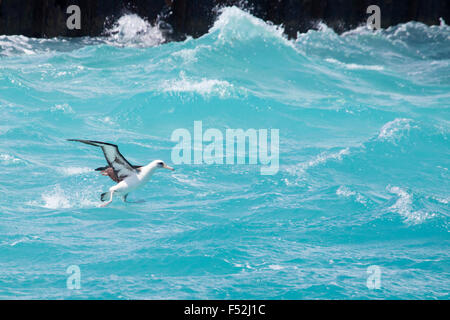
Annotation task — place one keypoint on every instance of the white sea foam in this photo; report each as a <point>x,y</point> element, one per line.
<point>403,206</point>
<point>323,157</point>
<point>187,55</point>
<point>344,191</point>
<point>132,30</point>
<point>354,66</point>
<point>441,200</point>
<point>65,108</point>
<point>347,193</point>
<point>360,30</point>
<point>9,159</point>
<point>107,120</point>
<point>190,55</point>
<point>276,267</point>
<point>71,171</point>
<point>13,45</point>
<point>23,240</point>
<point>204,87</point>
<point>18,241</point>
<point>393,129</point>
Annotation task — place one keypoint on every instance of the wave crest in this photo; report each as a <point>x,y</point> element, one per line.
<point>404,206</point>
<point>234,24</point>
<point>393,130</point>
<point>204,87</point>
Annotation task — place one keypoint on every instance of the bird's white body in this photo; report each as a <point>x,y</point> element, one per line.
<point>136,180</point>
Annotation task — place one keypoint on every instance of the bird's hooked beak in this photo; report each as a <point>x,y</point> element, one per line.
<point>167,167</point>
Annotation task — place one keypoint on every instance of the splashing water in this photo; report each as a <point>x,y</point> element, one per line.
<point>363,179</point>
<point>132,30</point>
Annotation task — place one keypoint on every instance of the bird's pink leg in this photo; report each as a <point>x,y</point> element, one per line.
<point>110,200</point>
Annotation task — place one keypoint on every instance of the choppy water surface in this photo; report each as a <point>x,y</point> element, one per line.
<point>363,178</point>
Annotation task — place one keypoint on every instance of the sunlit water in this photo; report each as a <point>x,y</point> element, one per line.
<point>363,178</point>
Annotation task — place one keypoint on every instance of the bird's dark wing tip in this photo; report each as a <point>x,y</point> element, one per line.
<point>94,142</point>
<point>90,142</point>
<point>78,140</point>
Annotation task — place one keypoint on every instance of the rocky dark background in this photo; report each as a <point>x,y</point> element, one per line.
<point>47,18</point>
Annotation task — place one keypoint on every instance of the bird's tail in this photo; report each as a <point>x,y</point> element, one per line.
<point>105,196</point>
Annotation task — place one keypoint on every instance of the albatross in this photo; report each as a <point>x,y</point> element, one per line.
<point>127,176</point>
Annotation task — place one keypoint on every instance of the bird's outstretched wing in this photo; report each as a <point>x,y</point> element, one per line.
<point>120,166</point>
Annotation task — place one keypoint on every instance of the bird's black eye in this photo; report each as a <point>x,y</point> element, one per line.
<point>160,164</point>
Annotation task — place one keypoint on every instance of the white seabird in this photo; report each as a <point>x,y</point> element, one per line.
<point>127,176</point>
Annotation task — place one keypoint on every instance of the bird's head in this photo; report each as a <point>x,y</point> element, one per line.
<point>162,164</point>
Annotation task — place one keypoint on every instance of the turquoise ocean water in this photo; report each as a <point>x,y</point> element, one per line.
<point>363,179</point>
